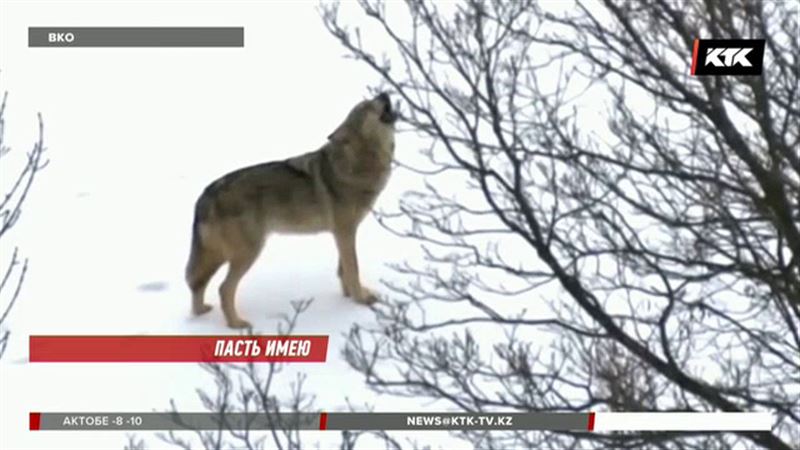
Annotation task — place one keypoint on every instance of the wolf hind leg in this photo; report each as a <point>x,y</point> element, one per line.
<point>227,290</point>
<point>203,264</point>
<point>246,240</point>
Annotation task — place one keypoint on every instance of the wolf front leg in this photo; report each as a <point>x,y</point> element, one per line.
<point>348,266</point>
<point>345,291</point>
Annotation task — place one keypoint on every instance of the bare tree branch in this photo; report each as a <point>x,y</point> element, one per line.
<point>649,260</point>
<point>10,211</point>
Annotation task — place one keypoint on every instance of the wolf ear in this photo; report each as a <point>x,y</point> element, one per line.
<point>339,134</point>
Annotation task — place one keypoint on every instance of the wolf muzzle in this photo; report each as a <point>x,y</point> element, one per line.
<point>388,115</point>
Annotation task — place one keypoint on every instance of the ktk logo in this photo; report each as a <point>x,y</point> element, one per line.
<point>728,57</point>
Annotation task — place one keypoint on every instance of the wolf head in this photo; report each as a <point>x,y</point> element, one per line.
<point>369,121</point>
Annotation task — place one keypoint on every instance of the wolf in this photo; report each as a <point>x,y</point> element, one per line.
<point>330,189</point>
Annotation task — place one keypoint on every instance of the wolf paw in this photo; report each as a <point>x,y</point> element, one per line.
<point>367,297</point>
<point>239,323</point>
<point>345,291</point>
<point>202,309</point>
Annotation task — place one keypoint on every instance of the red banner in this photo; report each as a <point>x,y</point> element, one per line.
<point>178,348</point>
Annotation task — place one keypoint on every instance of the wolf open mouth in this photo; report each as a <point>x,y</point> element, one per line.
<point>388,115</point>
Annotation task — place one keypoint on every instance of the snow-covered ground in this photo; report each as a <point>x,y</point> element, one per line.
<point>133,135</point>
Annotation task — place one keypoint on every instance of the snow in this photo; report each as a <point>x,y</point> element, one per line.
<point>133,136</point>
